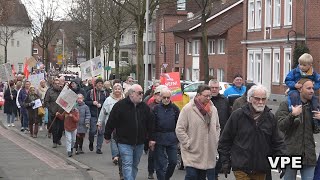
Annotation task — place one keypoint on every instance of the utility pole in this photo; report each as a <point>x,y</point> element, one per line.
<point>147,48</point>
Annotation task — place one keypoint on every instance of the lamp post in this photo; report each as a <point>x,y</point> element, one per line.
<point>62,31</point>
<point>295,37</point>
<point>104,62</point>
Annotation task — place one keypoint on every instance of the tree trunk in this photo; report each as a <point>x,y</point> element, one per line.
<point>140,62</point>
<point>47,58</point>
<point>110,53</point>
<point>6,53</point>
<point>117,52</point>
<point>204,49</point>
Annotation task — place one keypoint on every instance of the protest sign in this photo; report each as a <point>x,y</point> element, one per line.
<point>91,68</point>
<point>31,61</point>
<point>172,81</point>
<point>35,79</point>
<point>67,99</point>
<point>6,72</point>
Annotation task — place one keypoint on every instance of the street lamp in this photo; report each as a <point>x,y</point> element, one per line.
<point>288,37</point>
<point>62,31</point>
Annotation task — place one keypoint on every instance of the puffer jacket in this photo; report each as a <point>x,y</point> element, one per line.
<point>245,143</point>
<point>295,75</point>
<point>298,138</point>
<point>50,101</point>
<point>84,117</point>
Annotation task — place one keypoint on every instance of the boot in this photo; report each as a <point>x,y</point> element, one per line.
<point>31,130</point>
<point>76,145</point>
<point>35,132</point>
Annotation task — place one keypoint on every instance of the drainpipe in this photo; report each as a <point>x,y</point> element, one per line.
<point>305,21</point>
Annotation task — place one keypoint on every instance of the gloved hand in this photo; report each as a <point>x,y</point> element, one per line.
<point>32,103</point>
<point>226,169</point>
<point>282,172</point>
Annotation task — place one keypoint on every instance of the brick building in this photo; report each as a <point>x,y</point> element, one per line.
<point>179,41</point>
<point>267,26</point>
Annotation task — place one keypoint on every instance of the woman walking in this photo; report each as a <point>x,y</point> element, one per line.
<point>10,106</point>
<point>32,111</point>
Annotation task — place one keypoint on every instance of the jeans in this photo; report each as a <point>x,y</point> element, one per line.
<point>57,130</point>
<point>211,174</point>
<point>25,118</point>
<point>130,156</point>
<point>100,136</point>
<point>114,148</point>
<point>307,173</point>
<point>195,174</point>
<point>70,139</point>
<point>317,170</point>
<point>10,118</point>
<point>93,128</point>
<point>165,166</point>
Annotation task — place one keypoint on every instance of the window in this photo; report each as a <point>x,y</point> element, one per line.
<point>288,12</point>
<point>134,37</point>
<point>35,51</point>
<point>257,72</point>
<point>18,43</point>
<point>20,66</point>
<point>268,13</point>
<point>122,38</point>
<point>177,52</point>
<point>125,56</point>
<point>276,66</point>
<point>211,47</point>
<point>221,46</point>
<point>277,13</point>
<point>12,42</point>
<point>211,72</point>
<point>254,66</point>
<point>177,48</point>
<point>258,12</point>
<point>181,5</point>
<point>251,14</point>
<point>196,47</point>
<point>189,48</point>
<point>220,75</point>
<point>250,65</point>
<point>162,24</point>
<point>287,62</point>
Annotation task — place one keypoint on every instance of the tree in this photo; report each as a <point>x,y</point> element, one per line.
<point>299,49</point>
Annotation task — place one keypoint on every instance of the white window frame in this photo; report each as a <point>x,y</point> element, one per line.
<point>134,37</point>
<point>177,48</point>
<point>196,48</point>
<point>288,13</point>
<point>277,13</point>
<point>189,48</point>
<point>287,62</point>
<point>250,64</point>
<point>220,75</point>
<point>276,66</point>
<point>251,14</point>
<point>268,13</point>
<point>211,72</point>
<point>221,50</point>
<point>258,14</point>
<point>211,46</point>
<point>181,5</point>
<point>257,67</point>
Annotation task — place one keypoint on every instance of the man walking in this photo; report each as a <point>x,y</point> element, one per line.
<point>132,120</point>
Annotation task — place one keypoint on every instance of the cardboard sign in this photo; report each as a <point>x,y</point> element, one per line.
<point>91,68</point>
<point>172,81</point>
<point>6,72</point>
<point>31,61</point>
<point>67,99</point>
<point>35,79</point>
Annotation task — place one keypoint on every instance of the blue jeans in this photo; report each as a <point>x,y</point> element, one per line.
<point>25,118</point>
<point>165,166</point>
<point>114,148</point>
<point>317,170</point>
<point>195,174</point>
<point>10,118</point>
<point>70,139</point>
<point>307,173</point>
<point>130,157</point>
<point>100,136</point>
<point>211,174</point>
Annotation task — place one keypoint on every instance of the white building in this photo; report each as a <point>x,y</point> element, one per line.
<point>19,45</point>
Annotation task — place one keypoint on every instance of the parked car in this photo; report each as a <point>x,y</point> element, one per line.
<point>191,89</point>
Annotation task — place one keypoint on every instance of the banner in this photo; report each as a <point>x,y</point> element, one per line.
<point>91,68</point>
<point>67,99</point>
<point>6,72</point>
<point>31,61</point>
<point>172,81</point>
<point>35,79</point>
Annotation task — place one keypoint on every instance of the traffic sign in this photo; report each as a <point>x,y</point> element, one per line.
<point>107,68</point>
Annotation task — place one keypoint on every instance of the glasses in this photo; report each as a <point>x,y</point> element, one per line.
<point>164,97</point>
<point>139,92</point>
<point>206,96</point>
<point>259,99</point>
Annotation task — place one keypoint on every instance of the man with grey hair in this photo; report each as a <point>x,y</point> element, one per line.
<point>250,135</point>
<point>133,121</point>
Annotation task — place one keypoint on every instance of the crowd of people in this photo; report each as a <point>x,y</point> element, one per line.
<point>215,133</point>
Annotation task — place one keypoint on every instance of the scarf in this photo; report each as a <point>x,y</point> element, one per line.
<point>306,74</point>
<point>205,110</point>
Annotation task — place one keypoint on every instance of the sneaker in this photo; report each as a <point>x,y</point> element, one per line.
<point>69,154</point>
<point>22,129</point>
<point>115,161</point>
<point>9,125</point>
<point>12,125</point>
<point>54,145</point>
<point>150,176</point>
<point>77,151</point>
<point>99,151</point>
<point>91,146</point>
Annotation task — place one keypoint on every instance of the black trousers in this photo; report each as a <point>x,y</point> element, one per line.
<point>57,130</point>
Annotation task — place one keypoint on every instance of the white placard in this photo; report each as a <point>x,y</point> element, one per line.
<point>35,79</point>
<point>37,104</point>
<point>91,68</point>
<point>6,72</point>
<point>67,99</point>
<point>85,68</point>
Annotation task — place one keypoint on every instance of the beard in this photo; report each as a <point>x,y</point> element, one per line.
<point>258,108</point>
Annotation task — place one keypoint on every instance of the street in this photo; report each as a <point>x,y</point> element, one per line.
<point>18,152</point>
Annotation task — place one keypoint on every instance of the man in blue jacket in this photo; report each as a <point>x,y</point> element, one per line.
<point>236,90</point>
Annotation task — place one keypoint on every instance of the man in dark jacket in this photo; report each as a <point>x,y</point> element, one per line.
<point>298,129</point>
<point>250,135</point>
<point>133,121</point>
<point>75,87</point>
<point>94,99</point>
<point>50,102</point>
<point>222,105</point>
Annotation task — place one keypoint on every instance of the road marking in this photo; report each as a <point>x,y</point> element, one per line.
<point>44,155</point>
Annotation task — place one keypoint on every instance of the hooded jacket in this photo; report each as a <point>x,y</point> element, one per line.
<point>50,101</point>
<point>78,90</point>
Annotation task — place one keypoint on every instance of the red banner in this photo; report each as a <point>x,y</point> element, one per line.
<point>172,81</point>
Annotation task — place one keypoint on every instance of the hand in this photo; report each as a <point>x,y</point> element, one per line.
<point>95,103</point>
<point>99,127</point>
<point>99,105</point>
<point>226,169</point>
<point>107,141</point>
<point>297,110</point>
<point>57,113</point>
<point>282,172</point>
<point>11,97</point>
<point>87,125</point>
<point>151,145</point>
<point>316,115</point>
<point>298,85</point>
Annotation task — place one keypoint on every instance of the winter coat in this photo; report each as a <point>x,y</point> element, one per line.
<point>198,141</point>
<point>245,142</point>
<point>100,97</point>
<point>42,92</point>
<point>28,105</point>
<point>78,90</point>
<point>84,117</point>
<point>166,117</point>
<point>298,138</point>
<point>239,102</point>
<point>50,101</point>
<point>234,91</point>
<point>21,98</point>
<point>222,105</point>
<point>106,109</point>
<point>295,75</point>
<point>10,106</point>
<point>132,122</point>
<point>70,122</point>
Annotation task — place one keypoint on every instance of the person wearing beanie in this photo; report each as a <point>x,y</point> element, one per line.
<point>236,90</point>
